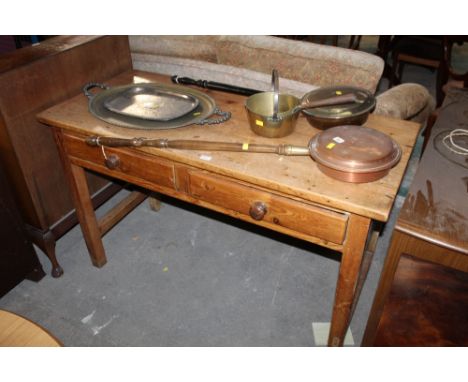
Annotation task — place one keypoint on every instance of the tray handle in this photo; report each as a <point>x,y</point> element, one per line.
<point>224,116</point>
<point>90,85</point>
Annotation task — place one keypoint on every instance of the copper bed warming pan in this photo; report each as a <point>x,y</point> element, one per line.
<point>349,153</point>
<point>152,106</point>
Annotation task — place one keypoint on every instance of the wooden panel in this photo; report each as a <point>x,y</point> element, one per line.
<point>427,306</point>
<point>311,220</point>
<point>31,80</point>
<point>17,256</point>
<point>138,168</point>
<point>50,47</point>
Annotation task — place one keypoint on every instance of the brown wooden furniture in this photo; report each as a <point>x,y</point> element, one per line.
<point>17,331</point>
<point>449,77</point>
<point>299,200</point>
<point>32,79</point>
<point>425,51</point>
<point>18,260</point>
<point>422,297</point>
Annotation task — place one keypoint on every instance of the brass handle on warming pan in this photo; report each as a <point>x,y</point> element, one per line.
<point>184,144</point>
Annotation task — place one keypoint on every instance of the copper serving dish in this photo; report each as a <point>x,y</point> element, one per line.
<point>354,153</point>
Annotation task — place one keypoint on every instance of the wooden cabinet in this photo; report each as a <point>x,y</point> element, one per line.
<point>31,80</point>
<point>422,297</point>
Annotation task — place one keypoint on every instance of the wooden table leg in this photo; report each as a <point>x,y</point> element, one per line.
<point>87,217</point>
<point>83,205</point>
<point>352,256</point>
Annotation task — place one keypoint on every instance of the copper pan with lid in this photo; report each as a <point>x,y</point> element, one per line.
<point>348,153</point>
<point>354,154</point>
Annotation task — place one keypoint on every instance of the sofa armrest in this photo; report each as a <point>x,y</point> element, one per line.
<point>406,101</point>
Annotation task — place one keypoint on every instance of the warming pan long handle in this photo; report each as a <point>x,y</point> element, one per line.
<point>182,144</point>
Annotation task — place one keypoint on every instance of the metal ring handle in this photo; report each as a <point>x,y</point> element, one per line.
<point>224,116</point>
<point>90,85</point>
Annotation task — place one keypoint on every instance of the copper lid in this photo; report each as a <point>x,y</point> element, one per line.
<point>354,149</point>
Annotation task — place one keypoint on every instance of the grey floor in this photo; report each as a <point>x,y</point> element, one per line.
<point>185,276</point>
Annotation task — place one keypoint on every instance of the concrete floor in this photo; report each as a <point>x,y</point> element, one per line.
<point>185,276</point>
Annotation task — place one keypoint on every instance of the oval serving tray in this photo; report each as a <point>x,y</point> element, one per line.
<point>206,107</point>
<point>148,102</point>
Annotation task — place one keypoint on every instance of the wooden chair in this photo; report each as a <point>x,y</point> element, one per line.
<point>448,77</point>
<point>425,51</point>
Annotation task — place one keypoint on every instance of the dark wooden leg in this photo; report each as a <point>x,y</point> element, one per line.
<point>45,240</point>
<point>351,259</point>
<point>37,274</point>
<point>427,131</point>
<point>395,69</point>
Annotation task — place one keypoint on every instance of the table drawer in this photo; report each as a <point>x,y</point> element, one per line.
<point>274,210</point>
<point>135,167</point>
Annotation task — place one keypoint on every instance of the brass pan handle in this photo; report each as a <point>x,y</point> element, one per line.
<point>186,144</point>
<point>338,100</point>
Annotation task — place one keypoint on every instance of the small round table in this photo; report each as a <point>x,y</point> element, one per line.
<point>19,331</point>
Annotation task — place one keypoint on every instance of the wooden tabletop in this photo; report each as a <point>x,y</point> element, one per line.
<point>18,331</point>
<point>436,208</point>
<point>295,176</point>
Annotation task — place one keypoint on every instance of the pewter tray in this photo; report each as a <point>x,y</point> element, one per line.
<point>206,107</point>
<point>151,103</point>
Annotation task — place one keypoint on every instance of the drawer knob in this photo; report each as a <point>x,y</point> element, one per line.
<point>112,161</point>
<point>258,210</point>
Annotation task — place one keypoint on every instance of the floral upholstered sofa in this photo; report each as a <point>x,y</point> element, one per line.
<point>247,61</point>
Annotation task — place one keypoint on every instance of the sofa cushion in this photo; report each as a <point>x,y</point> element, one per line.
<point>215,72</point>
<point>201,48</point>
<point>320,65</point>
